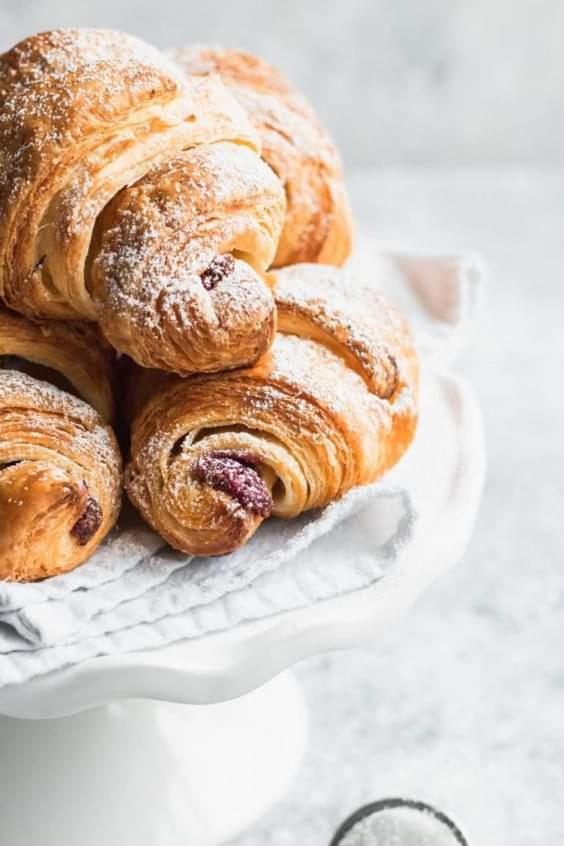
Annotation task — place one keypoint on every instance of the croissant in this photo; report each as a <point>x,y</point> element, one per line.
<point>133,198</point>
<point>332,405</point>
<point>318,225</point>
<point>60,467</point>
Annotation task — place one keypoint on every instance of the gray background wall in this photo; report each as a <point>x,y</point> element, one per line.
<point>398,81</point>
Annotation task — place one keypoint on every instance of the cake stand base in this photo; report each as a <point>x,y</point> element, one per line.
<point>141,773</point>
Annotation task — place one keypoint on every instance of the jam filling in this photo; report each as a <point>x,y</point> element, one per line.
<point>88,524</point>
<point>220,267</point>
<point>234,473</point>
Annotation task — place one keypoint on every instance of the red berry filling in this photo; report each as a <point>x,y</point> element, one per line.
<point>234,474</point>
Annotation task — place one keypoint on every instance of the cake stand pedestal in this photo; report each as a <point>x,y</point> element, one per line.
<point>143,773</point>
<point>192,743</point>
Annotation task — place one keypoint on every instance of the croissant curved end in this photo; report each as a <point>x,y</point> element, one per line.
<point>60,479</point>
<point>177,267</point>
<point>40,507</point>
<point>318,225</point>
<point>330,406</point>
<point>112,209</point>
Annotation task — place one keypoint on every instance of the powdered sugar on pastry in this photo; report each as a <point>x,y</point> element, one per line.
<point>330,406</point>
<point>318,224</point>
<point>112,206</point>
<point>60,485</point>
<point>351,319</point>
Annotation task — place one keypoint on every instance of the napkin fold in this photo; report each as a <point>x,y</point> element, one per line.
<point>137,593</point>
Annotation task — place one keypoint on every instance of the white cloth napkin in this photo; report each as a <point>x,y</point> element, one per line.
<point>137,593</point>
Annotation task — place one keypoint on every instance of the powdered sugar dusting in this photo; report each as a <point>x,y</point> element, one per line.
<point>161,236</point>
<point>347,294</point>
<point>354,316</point>
<point>56,86</point>
<point>67,99</point>
<point>274,106</point>
<point>20,391</point>
<point>294,144</point>
<point>311,370</point>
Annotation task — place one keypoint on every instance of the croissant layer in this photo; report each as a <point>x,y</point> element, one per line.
<point>329,407</point>
<point>75,351</point>
<point>60,466</point>
<point>114,208</point>
<point>59,479</point>
<point>318,224</point>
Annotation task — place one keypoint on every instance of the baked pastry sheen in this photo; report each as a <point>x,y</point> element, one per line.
<point>142,203</point>
<point>330,406</point>
<point>318,225</point>
<point>60,467</point>
<point>133,198</point>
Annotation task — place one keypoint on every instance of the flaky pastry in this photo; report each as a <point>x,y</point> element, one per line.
<point>318,225</point>
<point>60,466</point>
<point>332,405</point>
<point>131,197</point>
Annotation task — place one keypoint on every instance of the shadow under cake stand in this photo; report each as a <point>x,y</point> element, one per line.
<point>194,742</point>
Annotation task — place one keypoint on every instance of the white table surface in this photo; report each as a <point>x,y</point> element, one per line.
<point>462,704</point>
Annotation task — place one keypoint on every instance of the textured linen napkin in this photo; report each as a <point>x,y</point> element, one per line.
<point>137,593</point>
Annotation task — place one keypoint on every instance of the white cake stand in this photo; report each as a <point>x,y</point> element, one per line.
<point>84,764</point>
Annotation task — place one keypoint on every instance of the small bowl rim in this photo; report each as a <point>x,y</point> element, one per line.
<point>387,804</point>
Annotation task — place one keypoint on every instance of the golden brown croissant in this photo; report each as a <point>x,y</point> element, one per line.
<point>60,467</point>
<point>318,226</point>
<point>330,406</point>
<point>134,198</point>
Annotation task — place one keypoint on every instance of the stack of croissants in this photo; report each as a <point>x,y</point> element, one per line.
<point>172,229</point>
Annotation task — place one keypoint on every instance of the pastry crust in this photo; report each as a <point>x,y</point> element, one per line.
<point>74,350</point>
<point>100,140</point>
<point>60,466</point>
<point>179,258</point>
<point>330,406</point>
<point>318,225</point>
